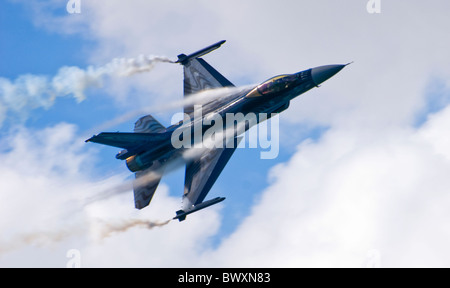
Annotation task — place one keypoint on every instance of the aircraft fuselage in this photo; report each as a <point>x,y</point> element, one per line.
<point>270,97</point>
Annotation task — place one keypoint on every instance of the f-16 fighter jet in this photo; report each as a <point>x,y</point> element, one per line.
<point>151,146</point>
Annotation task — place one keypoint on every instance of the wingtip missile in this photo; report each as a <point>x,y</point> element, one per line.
<point>89,140</point>
<point>181,214</point>
<point>183,59</point>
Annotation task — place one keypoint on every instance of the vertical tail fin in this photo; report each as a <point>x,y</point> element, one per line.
<point>148,124</point>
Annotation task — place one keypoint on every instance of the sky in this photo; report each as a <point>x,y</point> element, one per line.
<point>362,175</point>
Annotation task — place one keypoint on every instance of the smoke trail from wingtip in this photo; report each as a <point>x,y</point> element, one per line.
<point>35,238</point>
<point>109,228</point>
<point>28,91</point>
<point>105,228</point>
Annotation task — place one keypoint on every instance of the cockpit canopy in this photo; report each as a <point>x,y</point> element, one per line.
<point>275,85</point>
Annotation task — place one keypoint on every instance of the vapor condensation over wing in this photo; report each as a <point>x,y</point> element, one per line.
<point>128,185</point>
<point>200,98</point>
<point>172,165</point>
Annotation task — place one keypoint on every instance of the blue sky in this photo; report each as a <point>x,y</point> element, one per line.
<point>24,45</point>
<point>356,155</point>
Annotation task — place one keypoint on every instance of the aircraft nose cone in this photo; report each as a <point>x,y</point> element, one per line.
<point>323,73</point>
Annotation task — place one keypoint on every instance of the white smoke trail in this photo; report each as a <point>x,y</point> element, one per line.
<point>126,186</point>
<point>104,229</point>
<point>28,92</point>
<point>112,227</point>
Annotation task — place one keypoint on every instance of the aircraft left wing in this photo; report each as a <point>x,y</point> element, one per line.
<point>203,172</point>
<point>199,75</point>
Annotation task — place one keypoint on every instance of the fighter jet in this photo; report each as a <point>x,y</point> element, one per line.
<point>149,148</point>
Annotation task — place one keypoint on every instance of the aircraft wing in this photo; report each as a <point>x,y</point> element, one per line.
<point>204,171</point>
<point>199,75</point>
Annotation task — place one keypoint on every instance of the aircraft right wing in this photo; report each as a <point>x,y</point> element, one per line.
<point>203,172</point>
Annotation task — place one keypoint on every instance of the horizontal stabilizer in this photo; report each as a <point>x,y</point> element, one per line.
<point>145,185</point>
<point>129,141</point>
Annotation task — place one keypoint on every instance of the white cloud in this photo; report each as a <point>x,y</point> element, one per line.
<point>48,177</point>
<point>344,196</point>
